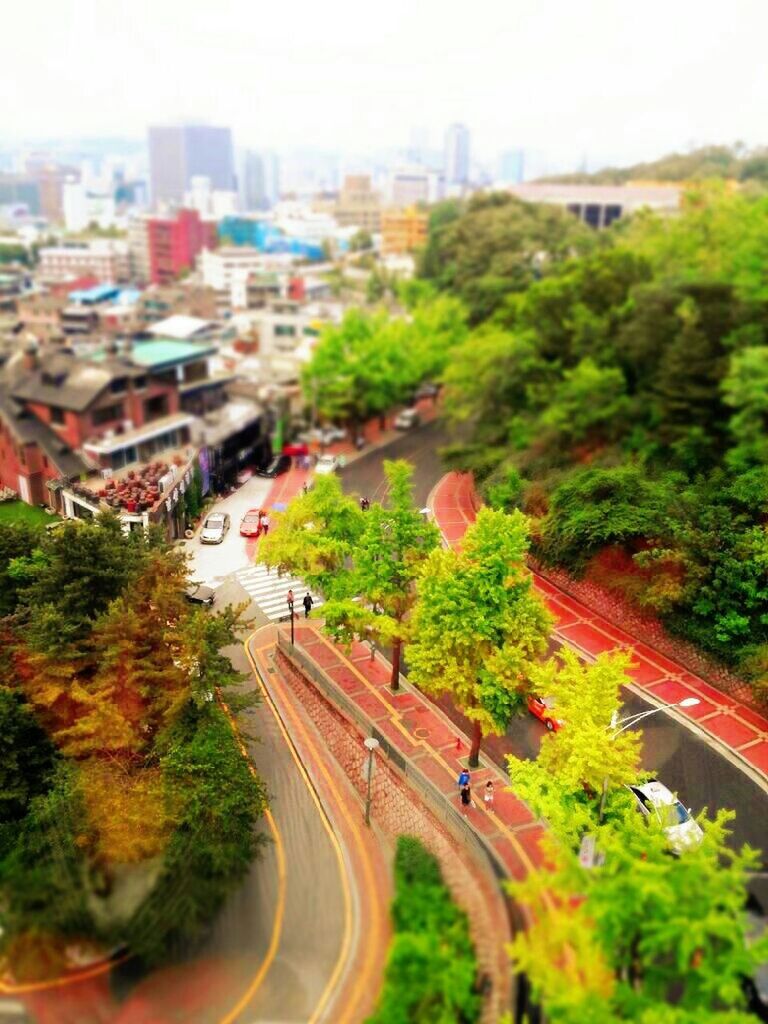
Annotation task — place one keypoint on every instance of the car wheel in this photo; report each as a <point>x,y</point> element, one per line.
<point>549,725</point>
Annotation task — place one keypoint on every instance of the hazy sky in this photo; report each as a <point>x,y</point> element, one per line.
<point>605,78</point>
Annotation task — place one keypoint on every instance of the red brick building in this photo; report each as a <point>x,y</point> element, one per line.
<point>173,243</point>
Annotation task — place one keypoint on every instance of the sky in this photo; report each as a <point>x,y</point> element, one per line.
<point>605,80</point>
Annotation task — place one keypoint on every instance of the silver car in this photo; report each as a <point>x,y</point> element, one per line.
<point>215,528</point>
<point>655,800</point>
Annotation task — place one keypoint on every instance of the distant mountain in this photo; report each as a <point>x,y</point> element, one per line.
<point>734,162</point>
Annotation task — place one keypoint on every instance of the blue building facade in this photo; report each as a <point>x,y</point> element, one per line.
<point>264,236</point>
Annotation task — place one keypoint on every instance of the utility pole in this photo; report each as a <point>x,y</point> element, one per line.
<point>290,609</point>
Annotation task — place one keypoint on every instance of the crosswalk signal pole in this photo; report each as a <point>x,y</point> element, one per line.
<point>290,609</point>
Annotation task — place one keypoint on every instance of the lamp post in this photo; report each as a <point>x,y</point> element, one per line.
<point>371,744</point>
<point>290,609</point>
<point>618,726</point>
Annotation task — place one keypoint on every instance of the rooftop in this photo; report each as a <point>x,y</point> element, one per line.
<point>180,327</point>
<point>99,293</point>
<point>165,352</point>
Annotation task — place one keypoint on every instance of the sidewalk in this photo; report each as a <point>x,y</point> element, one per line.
<point>725,720</point>
<point>425,737</point>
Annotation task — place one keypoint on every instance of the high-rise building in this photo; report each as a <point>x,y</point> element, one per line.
<point>457,154</point>
<point>511,167</point>
<point>178,153</point>
<point>358,205</point>
<point>409,186</point>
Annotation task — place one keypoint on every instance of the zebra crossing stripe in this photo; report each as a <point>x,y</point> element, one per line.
<point>270,591</point>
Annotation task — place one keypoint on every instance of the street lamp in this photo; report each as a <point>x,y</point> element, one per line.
<point>290,609</point>
<point>371,744</point>
<point>625,723</point>
<point>618,726</point>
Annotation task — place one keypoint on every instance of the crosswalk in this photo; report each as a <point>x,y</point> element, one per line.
<point>270,591</point>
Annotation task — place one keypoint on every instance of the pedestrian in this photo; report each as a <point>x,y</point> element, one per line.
<point>265,524</point>
<point>307,602</point>
<point>342,461</point>
<point>463,779</point>
<point>305,487</point>
<point>488,795</point>
<point>364,504</point>
<point>466,798</point>
<point>289,599</point>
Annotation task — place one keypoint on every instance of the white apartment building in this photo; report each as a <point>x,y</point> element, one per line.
<point>138,248</point>
<point>105,259</point>
<point>409,186</point>
<point>227,271</point>
<point>83,207</point>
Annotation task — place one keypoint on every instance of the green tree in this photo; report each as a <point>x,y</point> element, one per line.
<point>27,758</point>
<point>586,759</point>
<point>478,625</point>
<point>653,937</point>
<point>746,392</point>
<point>315,538</point>
<point>590,403</point>
<point>387,559</point>
<point>360,241</point>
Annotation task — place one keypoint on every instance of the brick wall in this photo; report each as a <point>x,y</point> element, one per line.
<point>397,809</point>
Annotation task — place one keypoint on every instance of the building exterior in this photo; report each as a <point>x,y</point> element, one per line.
<point>159,302</point>
<point>511,167</point>
<point>600,205</point>
<point>409,186</point>
<point>105,259</point>
<point>264,235</point>
<point>138,249</point>
<point>173,243</point>
<point>358,204</point>
<point>178,153</point>
<point>82,207</point>
<point>403,231</point>
<point>18,189</point>
<point>228,270</point>
<point>456,164</point>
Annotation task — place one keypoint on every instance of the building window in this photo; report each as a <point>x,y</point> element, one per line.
<point>139,383</point>
<point>107,414</point>
<point>612,213</point>
<point>592,215</point>
<point>57,416</point>
<point>156,407</point>
<point>285,331</point>
<point>118,386</point>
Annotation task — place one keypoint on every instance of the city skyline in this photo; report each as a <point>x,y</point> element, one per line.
<point>518,78</point>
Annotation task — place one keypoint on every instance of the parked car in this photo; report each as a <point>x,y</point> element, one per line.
<point>280,464</point>
<point>543,709</point>
<point>296,449</point>
<point>426,390</point>
<point>250,525</point>
<point>406,419</point>
<point>323,435</point>
<point>655,800</point>
<point>326,464</point>
<point>198,593</point>
<point>215,528</point>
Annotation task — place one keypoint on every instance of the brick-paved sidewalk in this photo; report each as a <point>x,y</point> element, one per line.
<point>419,731</point>
<point>733,725</point>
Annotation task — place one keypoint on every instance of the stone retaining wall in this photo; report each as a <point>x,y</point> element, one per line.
<point>397,808</point>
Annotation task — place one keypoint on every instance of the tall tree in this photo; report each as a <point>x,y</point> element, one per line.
<point>478,624</point>
<point>315,537</point>
<point>387,559</point>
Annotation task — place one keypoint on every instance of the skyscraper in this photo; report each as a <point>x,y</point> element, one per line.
<point>177,153</point>
<point>511,166</point>
<point>457,154</point>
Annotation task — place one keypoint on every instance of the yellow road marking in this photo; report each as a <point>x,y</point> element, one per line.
<point>370,881</point>
<point>347,936</point>
<point>277,925</point>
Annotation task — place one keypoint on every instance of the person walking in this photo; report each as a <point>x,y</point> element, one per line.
<point>265,524</point>
<point>307,602</point>
<point>463,779</point>
<point>364,504</point>
<point>289,599</point>
<point>488,795</point>
<point>466,798</point>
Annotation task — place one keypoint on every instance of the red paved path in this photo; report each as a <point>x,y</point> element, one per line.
<point>739,728</point>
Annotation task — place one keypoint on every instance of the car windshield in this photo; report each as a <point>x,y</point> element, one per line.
<point>325,460</point>
<point>672,814</point>
<point>214,523</point>
<point>252,517</point>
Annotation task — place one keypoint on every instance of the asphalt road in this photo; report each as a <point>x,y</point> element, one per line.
<point>684,762</point>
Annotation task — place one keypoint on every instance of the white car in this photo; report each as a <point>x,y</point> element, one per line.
<point>215,528</point>
<point>323,435</point>
<point>326,464</point>
<point>406,419</point>
<point>654,799</point>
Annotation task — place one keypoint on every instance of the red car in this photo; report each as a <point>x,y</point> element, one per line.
<point>543,709</point>
<point>251,524</point>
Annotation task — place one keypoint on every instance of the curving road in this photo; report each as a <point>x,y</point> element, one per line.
<point>698,772</point>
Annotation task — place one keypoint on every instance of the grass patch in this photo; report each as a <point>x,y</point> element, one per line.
<point>21,512</point>
<point>431,974</point>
